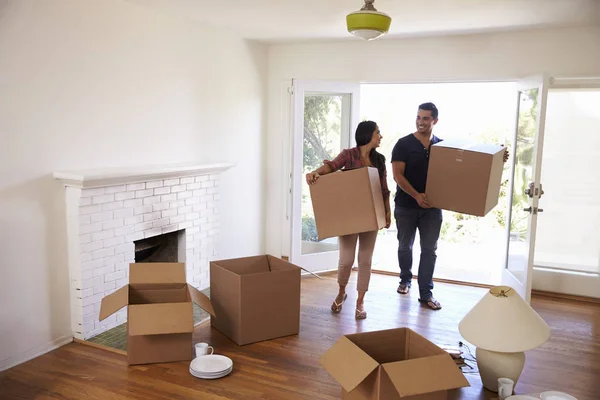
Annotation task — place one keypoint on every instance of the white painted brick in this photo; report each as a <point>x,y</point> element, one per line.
<point>170,228</point>
<point>171,182</point>
<point>134,236</point>
<point>101,217</point>
<point>90,209</point>
<point>214,177</point>
<point>90,317</point>
<point>124,248</point>
<point>100,236</point>
<point>116,189</point>
<point>142,210</point>
<point>169,213</point>
<point>83,239</point>
<point>206,213</point>
<point>133,202</point>
<point>92,246</point>
<point>115,241</point>
<point>186,180</point>
<point>194,186</point>
<point>92,192</point>
<point>122,266</point>
<point>152,232</point>
<point>185,225</point>
<point>192,216</point>
<point>115,223</point>
<point>112,206</point>
<point>84,220</point>
<point>162,190</point>
<point>191,201</point>
<point>199,193</point>
<point>93,299</point>
<point>151,200</point>
<point>201,178</point>
<point>198,207</point>
<point>143,226</point>
<point>160,206</point>
<point>86,257</point>
<point>177,219</point>
<point>184,195</point>
<point>208,184</point>
<point>98,254</point>
<point>184,210</point>
<point>129,227</point>
<point>210,204</point>
<point>85,201</point>
<point>192,231</point>
<point>178,188</point>
<point>136,186</point>
<point>177,204</point>
<point>124,196</point>
<point>159,223</point>
<point>212,190</point>
<point>87,310</point>
<point>154,184</point>
<point>216,183</point>
<point>152,216</point>
<point>217,196</point>
<point>144,193</point>
<point>206,198</point>
<point>102,289</point>
<point>114,276</point>
<point>168,197</point>
<point>123,213</point>
<point>86,293</point>
<point>133,220</point>
<point>104,270</point>
<point>90,283</point>
<point>103,198</point>
<point>122,282</point>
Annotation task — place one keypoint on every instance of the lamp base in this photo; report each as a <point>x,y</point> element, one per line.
<point>493,365</point>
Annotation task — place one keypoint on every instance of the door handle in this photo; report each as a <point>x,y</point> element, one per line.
<point>535,210</point>
<point>528,209</point>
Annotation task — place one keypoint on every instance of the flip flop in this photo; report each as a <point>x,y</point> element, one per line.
<point>432,303</point>
<point>335,307</point>
<point>403,288</point>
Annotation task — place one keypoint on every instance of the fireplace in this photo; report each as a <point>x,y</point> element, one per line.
<point>154,214</point>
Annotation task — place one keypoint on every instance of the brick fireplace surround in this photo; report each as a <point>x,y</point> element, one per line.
<point>107,210</point>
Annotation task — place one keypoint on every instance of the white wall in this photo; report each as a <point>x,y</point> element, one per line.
<point>500,56</point>
<point>92,84</point>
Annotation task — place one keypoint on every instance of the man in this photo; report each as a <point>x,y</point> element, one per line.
<point>410,163</point>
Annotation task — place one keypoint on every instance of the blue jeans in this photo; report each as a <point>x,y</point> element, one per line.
<point>429,222</point>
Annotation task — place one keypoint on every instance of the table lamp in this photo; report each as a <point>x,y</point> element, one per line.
<point>502,326</point>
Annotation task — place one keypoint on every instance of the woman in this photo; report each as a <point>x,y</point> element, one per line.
<point>368,138</point>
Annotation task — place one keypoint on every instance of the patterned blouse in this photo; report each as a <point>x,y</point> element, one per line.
<point>349,159</point>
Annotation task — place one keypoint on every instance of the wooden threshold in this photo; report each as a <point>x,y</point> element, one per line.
<point>100,346</point>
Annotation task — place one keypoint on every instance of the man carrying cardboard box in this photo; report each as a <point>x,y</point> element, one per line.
<point>410,164</point>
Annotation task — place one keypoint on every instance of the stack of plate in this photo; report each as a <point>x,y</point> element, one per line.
<point>211,366</point>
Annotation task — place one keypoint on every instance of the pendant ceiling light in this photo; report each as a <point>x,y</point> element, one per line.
<point>368,23</point>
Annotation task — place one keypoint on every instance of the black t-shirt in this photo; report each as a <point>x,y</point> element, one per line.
<point>411,151</point>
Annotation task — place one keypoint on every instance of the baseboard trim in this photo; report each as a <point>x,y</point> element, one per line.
<point>35,352</point>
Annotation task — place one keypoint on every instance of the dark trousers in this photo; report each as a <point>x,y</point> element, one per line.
<point>429,222</point>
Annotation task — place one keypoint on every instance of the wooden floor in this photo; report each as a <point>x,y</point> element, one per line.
<point>287,368</point>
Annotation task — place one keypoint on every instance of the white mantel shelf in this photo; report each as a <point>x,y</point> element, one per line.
<point>118,176</point>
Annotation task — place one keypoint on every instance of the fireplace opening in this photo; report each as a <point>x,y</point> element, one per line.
<point>168,247</point>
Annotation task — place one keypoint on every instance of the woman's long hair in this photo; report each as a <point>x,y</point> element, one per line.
<point>364,134</point>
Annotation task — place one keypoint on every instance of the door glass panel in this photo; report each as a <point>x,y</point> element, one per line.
<point>524,147</point>
<point>322,140</point>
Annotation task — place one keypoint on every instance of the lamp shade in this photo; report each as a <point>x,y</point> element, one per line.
<point>503,322</point>
<point>368,24</point>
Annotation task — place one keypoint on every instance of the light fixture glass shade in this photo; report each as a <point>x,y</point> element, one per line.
<point>503,322</point>
<point>368,24</point>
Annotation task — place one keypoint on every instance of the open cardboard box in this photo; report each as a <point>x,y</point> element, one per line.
<point>465,177</point>
<point>160,315</point>
<point>393,364</point>
<point>255,298</point>
<point>347,202</point>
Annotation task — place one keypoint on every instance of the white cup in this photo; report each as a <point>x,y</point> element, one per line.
<point>202,349</point>
<point>505,388</point>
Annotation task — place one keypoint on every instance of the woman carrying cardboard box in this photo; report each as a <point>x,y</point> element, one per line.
<point>368,138</point>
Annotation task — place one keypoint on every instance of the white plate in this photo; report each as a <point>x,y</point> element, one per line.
<point>211,376</point>
<point>521,397</point>
<point>552,395</point>
<point>211,364</point>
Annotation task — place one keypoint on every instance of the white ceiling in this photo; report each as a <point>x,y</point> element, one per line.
<point>298,20</point>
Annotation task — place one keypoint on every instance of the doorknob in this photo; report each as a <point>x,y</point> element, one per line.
<point>528,209</point>
<point>535,210</point>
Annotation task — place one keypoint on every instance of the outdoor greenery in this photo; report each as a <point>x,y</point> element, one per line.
<point>322,125</point>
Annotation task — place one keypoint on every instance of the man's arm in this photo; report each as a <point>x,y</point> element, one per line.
<point>398,170</point>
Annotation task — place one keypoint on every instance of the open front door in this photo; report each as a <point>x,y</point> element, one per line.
<point>525,186</point>
<point>325,115</point>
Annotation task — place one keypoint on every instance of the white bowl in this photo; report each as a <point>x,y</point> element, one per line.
<point>553,395</point>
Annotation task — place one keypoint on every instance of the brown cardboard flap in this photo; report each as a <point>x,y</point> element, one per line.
<point>413,377</point>
<point>347,363</point>
<point>155,319</point>
<point>201,300</point>
<point>114,302</point>
<point>152,273</point>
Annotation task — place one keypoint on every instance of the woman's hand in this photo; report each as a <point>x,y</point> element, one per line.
<point>312,177</point>
<point>388,218</point>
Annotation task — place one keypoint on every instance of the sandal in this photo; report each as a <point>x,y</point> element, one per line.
<point>360,314</point>
<point>335,307</point>
<point>432,303</point>
<point>403,288</point>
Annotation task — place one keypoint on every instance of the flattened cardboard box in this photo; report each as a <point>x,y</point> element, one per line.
<point>465,177</point>
<point>160,315</point>
<point>393,364</point>
<point>348,201</point>
<point>255,298</point>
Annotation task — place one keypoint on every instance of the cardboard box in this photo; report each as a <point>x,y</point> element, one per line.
<point>348,201</point>
<point>465,177</point>
<point>393,364</point>
<point>160,315</point>
<point>255,298</point>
